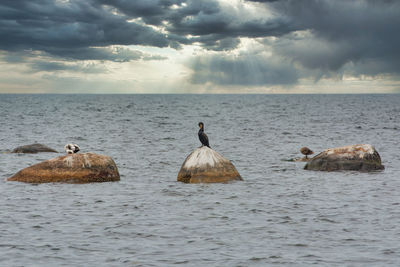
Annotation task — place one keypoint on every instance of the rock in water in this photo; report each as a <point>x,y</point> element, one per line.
<point>205,165</point>
<point>34,148</point>
<point>73,168</point>
<point>356,157</point>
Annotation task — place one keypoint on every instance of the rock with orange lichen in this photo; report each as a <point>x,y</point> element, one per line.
<point>72,168</point>
<point>205,165</point>
<point>355,157</point>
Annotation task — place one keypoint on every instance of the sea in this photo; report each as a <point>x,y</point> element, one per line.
<point>279,215</point>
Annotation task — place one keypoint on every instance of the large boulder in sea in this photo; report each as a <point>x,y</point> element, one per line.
<point>72,168</point>
<point>355,157</point>
<point>33,148</point>
<point>205,165</point>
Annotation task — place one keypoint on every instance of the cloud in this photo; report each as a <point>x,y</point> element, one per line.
<point>46,66</point>
<point>56,27</point>
<point>263,1</point>
<point>212,23</point>
<point>248,70</point>
<point>206,22</point>
<point>339,33</point>
<point>115,54</point>
<point>304,39</point>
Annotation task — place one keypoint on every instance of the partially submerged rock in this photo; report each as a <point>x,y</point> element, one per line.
<point>356,157</point>
<point>205,165</point>
<point>73,168</point>
<point>303,159</point>
<point>33,148</point>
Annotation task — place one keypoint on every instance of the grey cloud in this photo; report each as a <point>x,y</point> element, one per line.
<point>47,26</point>
<point>357,37</point>
<point>225,44</point>
<point>45,62</point>
<point>343,32</point>
<point>46,66</point>
<point>151,11</point>
<point>118,54</point>
<point>263,1</point>
<point>205,21</point>
<point>215,24</point>
<point>250,70</point>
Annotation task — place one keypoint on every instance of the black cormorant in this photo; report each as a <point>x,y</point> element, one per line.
<point>202,136</point>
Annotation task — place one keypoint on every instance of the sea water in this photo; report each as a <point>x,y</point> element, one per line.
<point>279,215</point>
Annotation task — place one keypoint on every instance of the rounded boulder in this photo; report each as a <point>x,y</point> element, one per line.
<point>73,168</point>
<point>205,165</point>
<point>362,157</point>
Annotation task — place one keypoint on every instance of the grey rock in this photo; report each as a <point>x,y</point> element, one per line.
<point>33,148</point>
<point>362,157</point>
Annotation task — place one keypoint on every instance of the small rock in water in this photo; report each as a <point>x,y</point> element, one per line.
<point>33,148</point>
<point>303,159</point>
<point>204,165</point>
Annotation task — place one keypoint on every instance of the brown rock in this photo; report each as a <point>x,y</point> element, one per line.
<point>33,148</point>
<point>205,165</point>
<point>356,157</point>
<point>72,168</point>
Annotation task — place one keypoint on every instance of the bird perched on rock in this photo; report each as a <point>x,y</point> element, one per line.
<point>306,151</point>
<point>202,136</point>
<point>71,148</point>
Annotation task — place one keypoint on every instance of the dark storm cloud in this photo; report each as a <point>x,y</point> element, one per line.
<point>151,11</point>
<point>327,38</point>
<point>210,25</point>
<point>206,21</point>
<point>58,26</point>
<point>55,28</point>
<point>315,36</point>
<point>343,32</point>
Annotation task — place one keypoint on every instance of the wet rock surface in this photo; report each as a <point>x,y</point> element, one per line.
<point>73,168</point>
<point>33,148</point>
<point>362,157</point>
<point>205,165</point>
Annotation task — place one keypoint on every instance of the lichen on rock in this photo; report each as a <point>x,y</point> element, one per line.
<point>361,157</point>
<point>205,165</point>
<point>72,168</point>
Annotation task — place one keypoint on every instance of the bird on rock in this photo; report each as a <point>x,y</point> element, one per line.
<point>71,148</point>
<point>202,136</point>
<point>306,151</point>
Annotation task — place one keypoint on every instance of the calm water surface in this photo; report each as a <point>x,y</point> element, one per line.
<point>279,215</point>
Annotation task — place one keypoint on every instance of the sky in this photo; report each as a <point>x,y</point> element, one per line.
<point>200,46</point>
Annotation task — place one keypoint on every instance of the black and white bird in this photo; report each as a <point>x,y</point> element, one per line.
<point>71,148</point>
<point>202,136</point>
